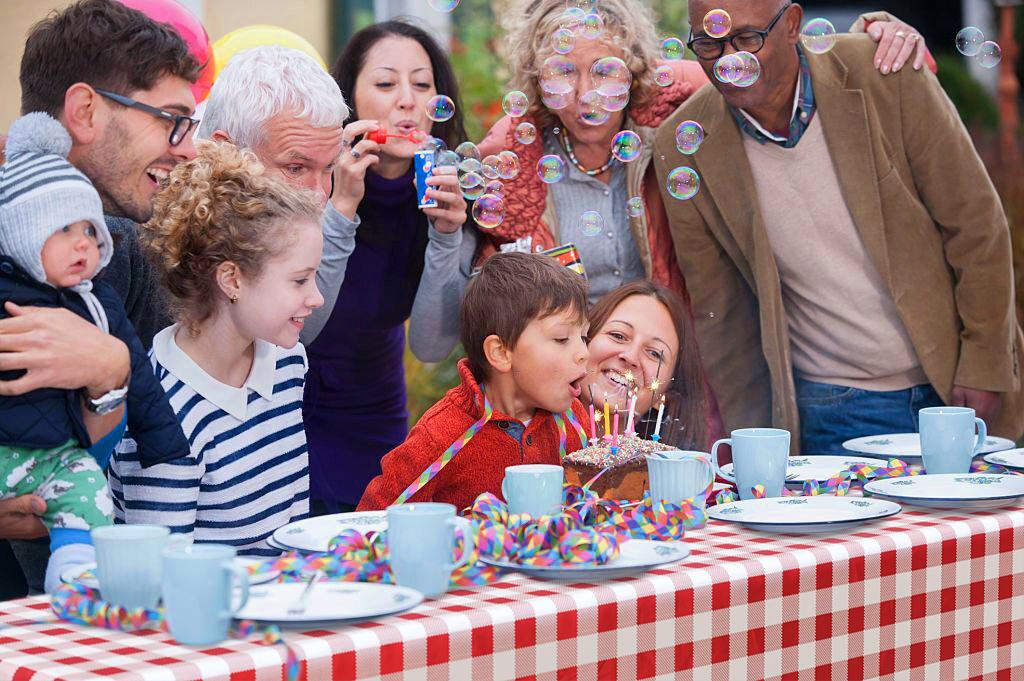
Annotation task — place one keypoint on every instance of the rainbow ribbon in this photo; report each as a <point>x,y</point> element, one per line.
<point>838,485</point>
<point>80,604</point>
<point>433,469</point>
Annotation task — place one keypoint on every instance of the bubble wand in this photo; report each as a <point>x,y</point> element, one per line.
<point>381,135</point>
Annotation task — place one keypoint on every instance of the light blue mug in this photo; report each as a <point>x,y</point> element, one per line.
<point>533,488</point>
<point>128,562</point>
<point>759,457</point>
<point>197,591</point>
<point>676,475</point>
<point>421,541</point>
<point>948,442</point>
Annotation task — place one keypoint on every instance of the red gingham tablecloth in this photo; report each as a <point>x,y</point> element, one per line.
<point>922,595</point>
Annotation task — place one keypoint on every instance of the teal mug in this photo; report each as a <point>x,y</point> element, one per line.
<point>759,457</point>
<point>198,588</point>
<point>129,565</point>
<point>948,441</point>
<point>421,542</point>
<point>533,488</point>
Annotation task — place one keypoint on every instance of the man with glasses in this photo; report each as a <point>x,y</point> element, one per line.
<point>846,255</point>
<point>120,85</point>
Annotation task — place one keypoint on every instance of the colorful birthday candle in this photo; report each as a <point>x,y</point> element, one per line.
<point>615,430</point>
<point>657,425</point>
<point>607,419</point>
<point>632,406</point>
<point>593,424</point>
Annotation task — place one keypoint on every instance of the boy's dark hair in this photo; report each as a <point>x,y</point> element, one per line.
<point>103,43</point>
<point>511,291</point>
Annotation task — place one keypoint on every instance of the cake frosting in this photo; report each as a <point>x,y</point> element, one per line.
<point>626,477</point>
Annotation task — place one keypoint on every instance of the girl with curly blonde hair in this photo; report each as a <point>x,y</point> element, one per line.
<point>238,252</point>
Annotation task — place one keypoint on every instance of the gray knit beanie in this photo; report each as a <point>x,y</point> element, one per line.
<point>41,193</point>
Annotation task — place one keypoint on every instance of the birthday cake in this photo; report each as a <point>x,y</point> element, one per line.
<point>626,477</point>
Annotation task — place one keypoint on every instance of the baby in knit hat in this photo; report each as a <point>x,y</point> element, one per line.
<point>53,242</point>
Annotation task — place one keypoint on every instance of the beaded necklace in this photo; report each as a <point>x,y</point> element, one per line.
<point>563,138</point>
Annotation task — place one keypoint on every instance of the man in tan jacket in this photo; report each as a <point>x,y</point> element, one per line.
<point>847,257</point>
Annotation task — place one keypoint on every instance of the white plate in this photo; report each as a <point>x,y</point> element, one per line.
<point>75,574</point>
<point>314,534</point>
<point>908,445</point>
<point>951,490</point>
<point>329,602</point>
<point>819,467</point>
<point>635,556</point>
<point>822,513</point>
<point>1010,458</point>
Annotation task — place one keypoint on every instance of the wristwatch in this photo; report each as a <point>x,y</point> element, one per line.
<point>108,402</point>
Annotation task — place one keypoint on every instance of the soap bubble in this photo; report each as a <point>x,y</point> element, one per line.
<point>443,5</point>
<point>470,179</point>
<point>728,68</point>
<point>818,35</point>
<point>468,150</point>
<point>591,108</point>
<point>672,49</point>
<point>557,78</point>
<point>689,135</point>
<point>612,78</point>
<point>683,183</point>
<point>585,5</point>
<point>526,133</point>
<point>572,18</point>
<point>489,167</point>
<point>469,165</point>
<point>495,187</point>
<point>446,158</point>
<point>591,223</point>
<point>664,75</point>
<point>550,168</point>
<point>440,108</point>
<point>593,26</point>
<point>434,144</point>
<point>626,146</point>
<point>515,103</point>
<point>489,211</point>
<point>990,54</point>
<point>635,206</point>
<point>474,192</point>
<point>563,40</point>
<point>750,70</point>
<point>717,23</point>
<point>508,164</point>
<point>969,40</point>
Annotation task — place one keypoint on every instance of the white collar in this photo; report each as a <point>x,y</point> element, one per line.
<point>796,104</point>
<point>234,401</point>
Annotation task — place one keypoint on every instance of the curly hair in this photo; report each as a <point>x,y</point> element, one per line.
<point>219,208</point>
<point>629,25</point>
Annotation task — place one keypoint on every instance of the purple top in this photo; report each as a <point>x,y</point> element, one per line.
<point>355,402</point>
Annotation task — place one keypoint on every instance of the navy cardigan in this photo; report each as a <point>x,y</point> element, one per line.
<point>48,417</point>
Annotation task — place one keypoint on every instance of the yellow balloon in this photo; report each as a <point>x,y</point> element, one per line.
<point>254,36</point>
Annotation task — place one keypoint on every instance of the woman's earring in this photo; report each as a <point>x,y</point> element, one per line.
<point>233,299</point>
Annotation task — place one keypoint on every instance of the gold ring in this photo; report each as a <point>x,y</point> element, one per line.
<point>913,36</point>
<point>901,34</point>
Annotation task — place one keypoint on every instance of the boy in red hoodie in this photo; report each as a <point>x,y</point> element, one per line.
<point>522,323</point>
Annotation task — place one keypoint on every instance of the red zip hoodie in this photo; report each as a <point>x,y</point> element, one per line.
<point>480,466</point>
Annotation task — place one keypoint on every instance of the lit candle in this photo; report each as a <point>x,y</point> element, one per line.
<point>607,419</point>
<point>615,430</point>
<point>657,425</point>
<point>593,425</point>
<point>629,421</point>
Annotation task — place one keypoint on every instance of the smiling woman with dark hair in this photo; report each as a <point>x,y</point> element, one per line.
<point>355,406</point>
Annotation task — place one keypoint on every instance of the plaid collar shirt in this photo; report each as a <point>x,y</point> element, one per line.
<point>803,112</point>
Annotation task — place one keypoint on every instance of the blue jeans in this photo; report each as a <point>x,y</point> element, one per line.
<point>832,414</point>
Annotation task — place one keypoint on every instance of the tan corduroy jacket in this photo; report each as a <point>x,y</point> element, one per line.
<point>923,204</point>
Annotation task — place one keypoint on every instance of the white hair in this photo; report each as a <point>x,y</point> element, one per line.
<point>263,82</point>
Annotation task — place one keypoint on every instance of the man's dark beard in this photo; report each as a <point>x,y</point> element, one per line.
<point>105,166</point>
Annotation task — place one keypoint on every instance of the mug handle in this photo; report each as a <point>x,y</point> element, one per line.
<point>243,579</point>
<point>982,435</point>
<point>714,459</point>
<point>504,489</point>
<point>468,540</point>
<point>711,473</point>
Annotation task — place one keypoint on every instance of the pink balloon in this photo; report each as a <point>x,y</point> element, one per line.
<point>188,26</point>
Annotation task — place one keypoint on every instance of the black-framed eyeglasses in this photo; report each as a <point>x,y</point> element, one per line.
<point>181,124</point>
<point>747,41</point>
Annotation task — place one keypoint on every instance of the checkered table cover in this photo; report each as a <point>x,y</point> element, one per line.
<point>921,595</point>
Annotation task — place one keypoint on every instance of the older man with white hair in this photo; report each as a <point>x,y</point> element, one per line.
<point>280,104</point>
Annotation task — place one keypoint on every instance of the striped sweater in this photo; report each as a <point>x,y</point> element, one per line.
<point>247,473</point>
